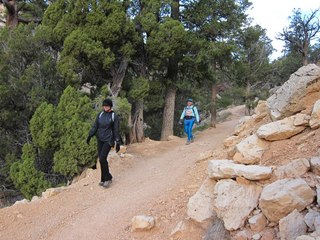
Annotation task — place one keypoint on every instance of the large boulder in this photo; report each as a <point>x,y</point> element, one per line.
<point>280,198</point>
<point>234,202</point>
<point>300,91</point>
<point>250,150</point>
<point>200,205</point>
<point>222,169</point>
<point>279,130</point>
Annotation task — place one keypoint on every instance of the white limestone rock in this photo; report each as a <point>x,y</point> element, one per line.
<point>280,130</point>
<point>230,205</point>
<point>224,169</point>
<point>250,150</point>
<point>292,226</point>
<point>200,205</point>
<point>293,96</point>
<point>142,223</point>
<point>280,198</point>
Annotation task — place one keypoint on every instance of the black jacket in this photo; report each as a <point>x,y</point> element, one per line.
<point>106,129</point>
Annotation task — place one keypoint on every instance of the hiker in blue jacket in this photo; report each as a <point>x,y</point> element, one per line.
<point>106,129</point>
<point>189,116</point>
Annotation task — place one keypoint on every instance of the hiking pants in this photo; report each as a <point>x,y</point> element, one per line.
<point>103,151</point>
<point>188,125</point>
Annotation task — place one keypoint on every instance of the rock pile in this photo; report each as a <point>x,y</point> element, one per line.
<point>267,202</point>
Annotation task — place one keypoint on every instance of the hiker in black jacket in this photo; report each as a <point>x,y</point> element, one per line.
<point>106,129</point>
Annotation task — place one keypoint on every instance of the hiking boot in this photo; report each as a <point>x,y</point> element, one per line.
<point>106,184</point>
<point>188,142</point>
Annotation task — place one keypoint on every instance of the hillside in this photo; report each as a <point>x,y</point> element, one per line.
<point>157,179</point>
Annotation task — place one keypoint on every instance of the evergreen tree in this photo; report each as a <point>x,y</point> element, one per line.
<point>26,177</point>
<point>301,31</point>
<point>97,40</point>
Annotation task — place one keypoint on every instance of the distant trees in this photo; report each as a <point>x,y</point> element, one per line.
<point>301,31</point>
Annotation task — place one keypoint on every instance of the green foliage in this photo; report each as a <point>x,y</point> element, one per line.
<point>74,154</point>
<point>42,127</point>
<point>123,108</point>
<point>169,40</point>
<point>94,36</point>
<point>139,89</point>
<point>25,176</point>
<point>28,76</point>
<point>74,115</point>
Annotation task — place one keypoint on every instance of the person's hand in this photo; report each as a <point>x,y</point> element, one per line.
<point>180,122</point>
<point>117,146</point>
<point>88,140</point>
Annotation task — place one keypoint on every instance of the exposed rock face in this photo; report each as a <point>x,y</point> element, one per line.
<point>222,169</point>
<point>294,95</point>
<point>315,116</point>
<point>200,205</point>
<point>279,130</point>
<point>250,150</point>
<point>292,226</point>
<point>142,223</point>
<point>294,169</point>
<point>283,196</point>
<point>230,205</point>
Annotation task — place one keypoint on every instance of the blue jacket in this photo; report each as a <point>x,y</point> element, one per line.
<point>190,111</point>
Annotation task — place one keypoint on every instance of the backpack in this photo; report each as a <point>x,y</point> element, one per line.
<point>112,116</point>
<point>185,108</point>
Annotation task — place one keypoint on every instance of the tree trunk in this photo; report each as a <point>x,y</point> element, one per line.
<point>172,76</point>
<point>12,13</point>
<point>118,75</point>
<point>213,109</point>
<point>305,57</point>
<point>168,113</point>
<point>137,131</point>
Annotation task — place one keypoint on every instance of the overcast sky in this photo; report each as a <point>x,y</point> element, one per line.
<point>273,16</point>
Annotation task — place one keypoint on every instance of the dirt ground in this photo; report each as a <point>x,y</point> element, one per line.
<point>158,180</point>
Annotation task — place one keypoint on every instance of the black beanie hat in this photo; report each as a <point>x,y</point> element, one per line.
<point>107,102</point>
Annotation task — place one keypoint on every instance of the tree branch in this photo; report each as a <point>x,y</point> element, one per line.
<point>26,21</point>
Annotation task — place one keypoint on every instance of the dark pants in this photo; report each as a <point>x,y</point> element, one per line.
<point>103,151</point>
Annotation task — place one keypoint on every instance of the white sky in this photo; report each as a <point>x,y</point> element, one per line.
<point>273,16</point>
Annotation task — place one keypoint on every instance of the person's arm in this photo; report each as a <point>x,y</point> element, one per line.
<point>116,126</point>
<point>94,127</point>
<point>197,114</point>
<point>93,130</point>
<point>183,114</point>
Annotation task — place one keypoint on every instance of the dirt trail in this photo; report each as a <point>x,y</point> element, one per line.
<point>158,180</point>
